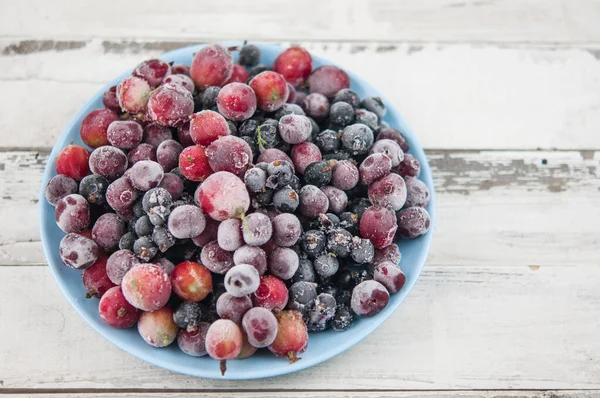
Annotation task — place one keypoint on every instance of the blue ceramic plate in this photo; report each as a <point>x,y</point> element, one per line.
<point>321,347</point>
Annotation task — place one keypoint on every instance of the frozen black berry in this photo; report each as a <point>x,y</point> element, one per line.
<point>305,271</point>
<point>339,242</point>
<point>342,319</point>
<point>348,96</point>
<point>249,55</point>
<point>341,113</point>
<point>286,200</point>
<point>362,251</point>
<point>313,243</point>
<point>349,221</point>
<point>93,189</point>
<point>127,241</point>
<point>328,140</point>
<point>318,173</point>
<point>144,248</point>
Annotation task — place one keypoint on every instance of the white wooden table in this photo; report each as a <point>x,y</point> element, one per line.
<point>504,95</point>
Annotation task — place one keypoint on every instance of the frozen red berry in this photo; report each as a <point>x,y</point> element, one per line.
<point>193,163</point>
<point>239,74</point>
<point>212,66</point>
<point>116,311</point>
<point>224,340</point>
<point>170,105</point>
<point>124,134</point>
<point>133,94</point>
<point>77,251</point>
<point>270,89</point>
<point>378,224</point>
<point>328,80</point>
<point>72,213</point>
<point>73,161</point>
<point>369,298</point>
<point>294,64</point>
<point>389,275</point>
<point>271,293</point>
<point>119,263</point>
<point>191,281</point>
<point>147,287</point>
<point>223,195</point>
<point>229,153</point>
<point>193,342</point>
<point>261,326</point>
<point>292,335</point>
<point>158,328</point>
<point>109,162</point>
<point>94,127</point>
<point>207,126</point>
<point>236,101</point>
<point>153,71</point>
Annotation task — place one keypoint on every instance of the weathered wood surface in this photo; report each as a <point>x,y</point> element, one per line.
<point>501,202</point>
<point>454,95</point>
<point>462,327</point>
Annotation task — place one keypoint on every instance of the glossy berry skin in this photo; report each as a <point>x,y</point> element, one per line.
<point>147,287</point>
<point>270,89</point>
<point>224,340</point>
<point>72,213</point>
<point>215,258</point>
<point>95,279</point>
<point>239,75</point>
<point>374,167</point>
<point>58,187</point>
<point>344,175</point>
<point>409,167</point>
<point>116,311</point>
<point>292,335</point>
<point>369,298</point>
<point>413,222</point>
<point>328,80</point>
<point>304,154</point>
<point>388,191</point>
<point>170,105</point>
<point>357,138</point>
<point>133,93</point>
<point>271,293</point>
<point>157,328</point>
<point>389,275</point>
<point>124,134</point>
<point>193,163</point>
<point>73,162</point>
<point>77,251</point>
<point>153,71</point>
<point>95,125</point>
<point>417,193</point>
<point>109,162</point>
<point>229,153</point>
<point>236,101</point>
<point>252,255</point>
<point>193,342</point>
<point>191,281</point>
<point>261,326</point>
<point>212,66</point>
<point>107,231</point>
<point>378,224</point>
<point>223,195</point>
<point>207,126</point>
<point>294,64</point>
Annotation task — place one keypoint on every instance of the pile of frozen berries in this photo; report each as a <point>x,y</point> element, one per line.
<point>233,207</point>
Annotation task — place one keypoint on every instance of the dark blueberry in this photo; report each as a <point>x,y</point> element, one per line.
<point>262,199</point>
<point>181,252</point>
<point>156,197</point>
<point>318,173</point>
<point>305,271</point>
<point>144,248</point>
<point>357,138</point>
<point>289,109</point>
<point>315,129</point>
<point>342,319</point>
<point>327,141</point>
<point>313,243</point>
<point>339,242</point>
<point>286,200</point>
<point>349,221</point>
<point>248,128</point>
<point>344,296</point>
<point>232,128</point>
<point>253,146</point>
<point>127,241</point>
<point>341,113</point>
<point>324,221</point>
<point>163,238</point>
<point>337,155</point>
<point>280,174</point>
<point>93,189</point>
<point>272,122</point>
<point>257,69</point>
<point>301,295</point>
<point>159,214</point>
<point>326,265</point>
<point>138,208</point>
<point>360,190</point>
<point>143,226</point>
<point>375,105</point>
<point>344,280</point>
<point>367,118</point>
<point>255,179</point>
<point>188,315</point>
<point>362,251</point>
<point>348,96</point>
<point>320,312</point>
<point>249,55</point>
<point>295,183</point>
<point>209,98</point>
<point>361,276</point>
<point>266,136</point>
<point>359,205</point>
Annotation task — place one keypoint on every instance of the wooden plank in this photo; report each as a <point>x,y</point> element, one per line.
<point>493,207</point>
<point>325,394</point>
<point>455,96</point>
<point>462,327</point>
<point>437,20</point>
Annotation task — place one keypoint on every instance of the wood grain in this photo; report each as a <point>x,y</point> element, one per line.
<point>462,327</point>
<point>322,394</point>
<point>500,200</point>
<point>430,20</point>
<point>455,96</point>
